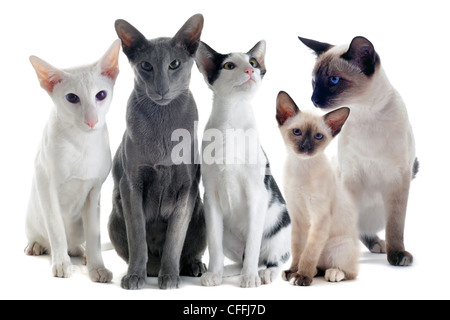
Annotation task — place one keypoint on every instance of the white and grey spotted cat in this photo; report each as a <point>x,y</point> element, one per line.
<point>246,215</point>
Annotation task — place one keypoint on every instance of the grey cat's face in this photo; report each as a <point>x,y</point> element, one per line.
<point>342,74</point>
<point>162,66</point>
<point>163,70</point>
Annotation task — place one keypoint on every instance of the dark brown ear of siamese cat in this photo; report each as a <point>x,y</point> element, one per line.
<point>376,147</point>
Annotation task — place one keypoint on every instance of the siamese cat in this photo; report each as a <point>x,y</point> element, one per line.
<point>324,219</point>
<point>72,163</point>
<point>157,223</point>
<point>376,149</point>
<point>246,215</point>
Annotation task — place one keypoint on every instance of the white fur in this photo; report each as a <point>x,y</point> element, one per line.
<point>73,161</point>
<point>236,199</point>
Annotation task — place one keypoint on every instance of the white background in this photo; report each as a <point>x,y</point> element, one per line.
<point>411,37</point>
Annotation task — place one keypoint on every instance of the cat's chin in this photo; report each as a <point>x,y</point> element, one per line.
<point>250,83</point>
<point>88,129</point>
<point>249,87</point>
<point>162,102</point>
<point>306,156</point>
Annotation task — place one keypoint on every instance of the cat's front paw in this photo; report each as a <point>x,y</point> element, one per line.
<point>250,281</point>
<point>168,281</point>
<point>133,282</point>
<point>400,258</point>
<point>334,275</point>
<point>62,268</point>
<point>211,279</point>
<point>298,279</point>
<point>101,275</point>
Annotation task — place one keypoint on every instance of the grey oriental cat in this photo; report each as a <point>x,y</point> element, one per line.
<point>157,223</point>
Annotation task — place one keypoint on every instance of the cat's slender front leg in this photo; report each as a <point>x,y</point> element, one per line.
<point>250,277</point>
<point>169,275</point>
<point>136,233</point>
<point>49,200</point>
<point>299,238</point>
<point>91,223</point>
<point>396,198</point>
<point>317,238</point>
<point>214,227</point>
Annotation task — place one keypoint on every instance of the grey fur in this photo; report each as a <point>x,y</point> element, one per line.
<point>157,223</point>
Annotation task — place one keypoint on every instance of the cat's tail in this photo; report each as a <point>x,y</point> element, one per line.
<point>415,169</point>
<point>232,270</point>
<point>107,246</point>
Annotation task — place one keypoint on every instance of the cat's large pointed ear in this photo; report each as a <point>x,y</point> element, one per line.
<point>286,108</point>
<point>131,38</point>
<point>188,37</point>
<point>207,61</point>
<point>109,63</point>
<point>259,53</point>
<point>361,53</point>
<point>335,120</point>
<point>318,47</point>
<point>48,75</point>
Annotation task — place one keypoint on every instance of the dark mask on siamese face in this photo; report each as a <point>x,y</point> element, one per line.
<point>342,73</point>
<point>305,133</point>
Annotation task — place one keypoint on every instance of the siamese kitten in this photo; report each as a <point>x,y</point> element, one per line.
<point>324,220</point>
<point>157,223</point>
<point>246,214</point>
<point>376,148</point>
<point>72,163</point>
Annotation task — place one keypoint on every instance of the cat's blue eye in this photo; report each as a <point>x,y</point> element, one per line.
<point>297,132</point>
<point>101,96</point>
<point>72,98</point>
<point>334,80</point>
<point>229,66</point>
<point>175,64</point>
<point>146,66</point>
<point>318,136</point>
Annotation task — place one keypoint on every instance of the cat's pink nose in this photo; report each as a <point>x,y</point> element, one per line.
<point>91,123</point>
<point>249,71</point>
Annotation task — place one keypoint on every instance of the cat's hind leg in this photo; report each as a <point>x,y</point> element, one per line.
<point>340,259</point>
<point>35,249</point>
<point>334,275</point>
<point>268,275</point>
<point>37,244</point>
<point>373,243</point>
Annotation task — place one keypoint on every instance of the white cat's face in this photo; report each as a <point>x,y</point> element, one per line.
<point>240,73</point>
<point>83,98</point>
<point>82,95</point>
<point>235,74</point>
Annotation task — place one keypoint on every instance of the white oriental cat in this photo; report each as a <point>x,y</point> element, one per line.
<point>324,219</point>
<point>246,215</point>
<point>73,161</point>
